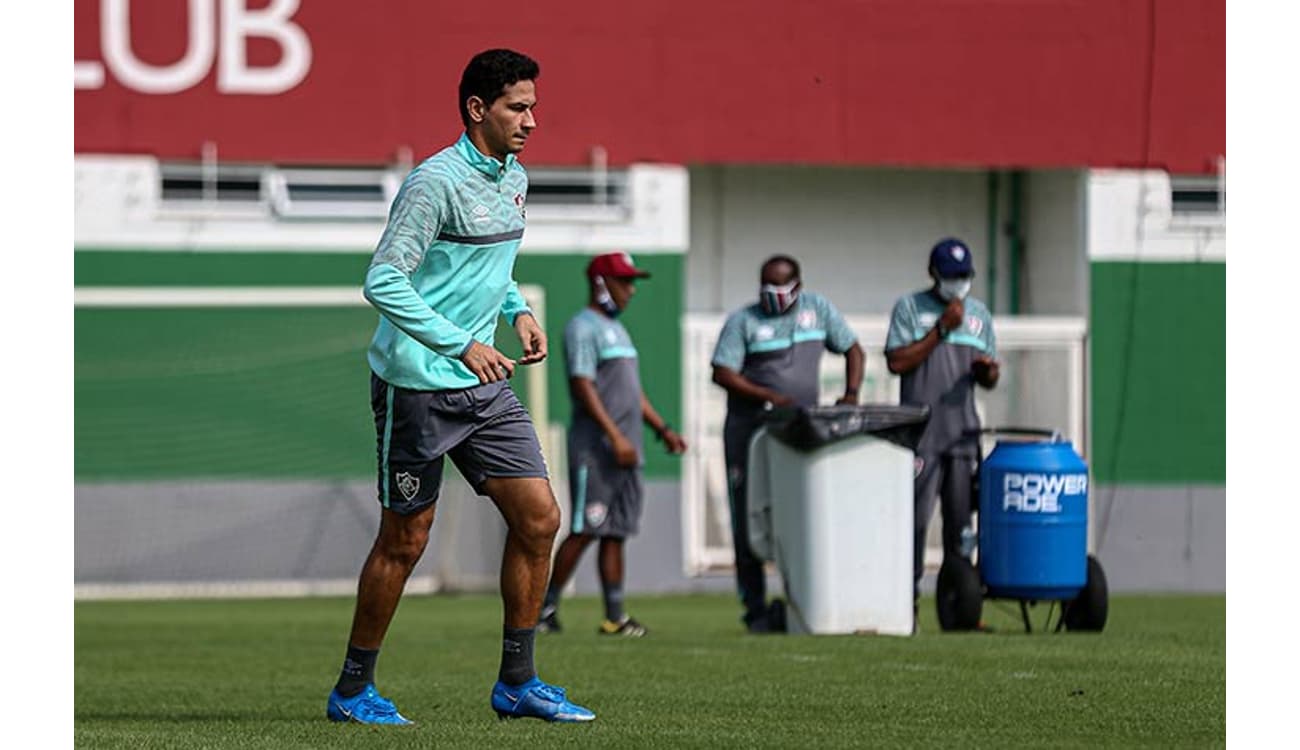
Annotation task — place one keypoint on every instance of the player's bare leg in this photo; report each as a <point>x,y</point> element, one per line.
<point>617,621</point>
<point>568,557</point>
<point>611,560</point>
<point>532,519</point>
<point>566,561</point>
<point>397,548</point>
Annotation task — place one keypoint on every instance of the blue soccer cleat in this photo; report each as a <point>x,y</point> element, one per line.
<point>366,707</point>
<point>538,700</point>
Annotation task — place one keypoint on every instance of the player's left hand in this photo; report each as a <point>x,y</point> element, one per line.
<point>532,338</point>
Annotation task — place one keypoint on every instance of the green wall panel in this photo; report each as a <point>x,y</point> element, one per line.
<point>1158,372</point>
<point>218,392</point>
<point>222,393</point>
<point>211,268</point>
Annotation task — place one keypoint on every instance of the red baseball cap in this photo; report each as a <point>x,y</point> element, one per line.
<point>618,265</point>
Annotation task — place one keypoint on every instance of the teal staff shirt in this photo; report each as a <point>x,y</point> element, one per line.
<point>598,348</point>
<point>443,269</point>
<point>943,381</point>
<point>781,352</point>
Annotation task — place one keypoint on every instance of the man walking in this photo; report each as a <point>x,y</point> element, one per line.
<point>605,450</point>
<point>769,354</point>
<point>440,277</point>
<point>941,342</point>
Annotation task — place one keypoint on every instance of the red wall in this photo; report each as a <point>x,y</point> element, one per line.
<point>906,82</point>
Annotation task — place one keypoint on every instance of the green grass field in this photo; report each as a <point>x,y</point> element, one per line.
<point>242,674</point>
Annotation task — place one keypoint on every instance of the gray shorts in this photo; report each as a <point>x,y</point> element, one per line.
<point>484,429</point>
<point>606,497</point>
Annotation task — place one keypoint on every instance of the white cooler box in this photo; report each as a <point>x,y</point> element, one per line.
<point>837,521</point>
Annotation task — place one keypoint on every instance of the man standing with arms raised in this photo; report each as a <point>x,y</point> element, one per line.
<point>440,277</point>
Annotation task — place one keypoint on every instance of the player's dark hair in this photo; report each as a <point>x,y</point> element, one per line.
<point>775,259</point>
<point>489,72</point>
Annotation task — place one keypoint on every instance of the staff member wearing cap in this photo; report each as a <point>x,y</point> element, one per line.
<point>605,446</point>
<point>769,354</point>
<point>941,342</point>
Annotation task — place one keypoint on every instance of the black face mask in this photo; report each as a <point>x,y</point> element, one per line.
<point>604,300</point>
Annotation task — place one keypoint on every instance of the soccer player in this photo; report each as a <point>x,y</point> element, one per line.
<point>440,277</point>
<point>769,354</point>
<point>605,450</point>
<point>941,342</point>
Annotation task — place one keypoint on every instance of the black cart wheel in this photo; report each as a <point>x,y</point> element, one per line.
<point>959,598</point>
<point>1087,611</point>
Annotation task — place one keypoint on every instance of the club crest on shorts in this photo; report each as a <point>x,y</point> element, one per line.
<point>407,484</point>
<point>918,465</point>
<point>596,513</point>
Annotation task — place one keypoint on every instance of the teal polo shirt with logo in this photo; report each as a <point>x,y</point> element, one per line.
<point>443,270</point>
<point>598,348</point>
<point>781,352</point>
<point>943,381</point>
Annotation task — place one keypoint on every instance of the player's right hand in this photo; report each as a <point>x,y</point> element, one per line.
<point>953,315</point>
<point>488,364</point>
<point>625,453</point>
<point>780,399</point>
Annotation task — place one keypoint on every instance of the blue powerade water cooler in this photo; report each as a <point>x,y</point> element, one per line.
<point>1033,536</point>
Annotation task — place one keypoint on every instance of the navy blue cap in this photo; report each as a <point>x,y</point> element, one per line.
<point>951,258</point>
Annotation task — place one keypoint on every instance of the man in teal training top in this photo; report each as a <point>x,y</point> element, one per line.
<point>441,276</point>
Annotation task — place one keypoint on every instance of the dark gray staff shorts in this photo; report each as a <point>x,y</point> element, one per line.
<point>484,429</point>
<point>606,498</point>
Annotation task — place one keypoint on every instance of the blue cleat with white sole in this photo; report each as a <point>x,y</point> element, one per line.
<point>366,707</point>
<point>538,700</point>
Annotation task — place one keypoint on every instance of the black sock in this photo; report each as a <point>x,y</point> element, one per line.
<point>517,656</point>
<point>358,671</point>
<point>613,601</point>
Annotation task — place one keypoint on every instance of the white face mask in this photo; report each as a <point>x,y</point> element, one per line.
<point>604,300</point>
<point>951,289</point>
